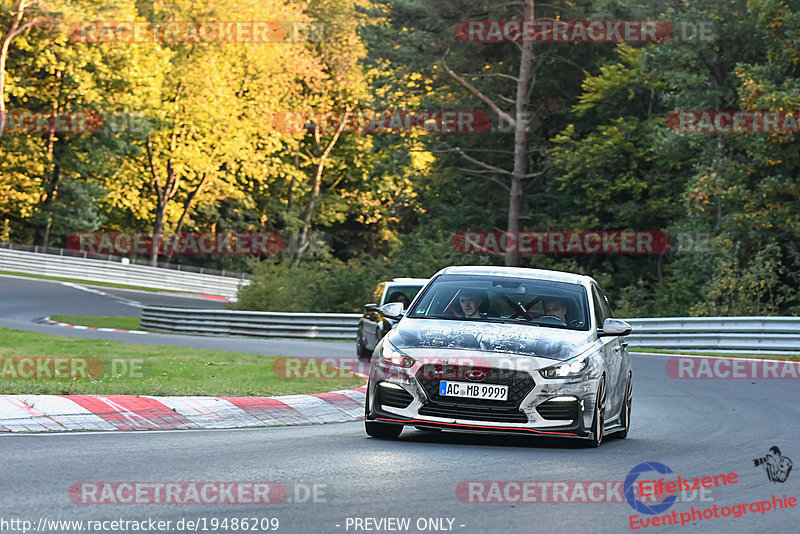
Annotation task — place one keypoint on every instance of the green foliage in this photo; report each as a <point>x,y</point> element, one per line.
<point>329,287</point>
<point>389,204</point>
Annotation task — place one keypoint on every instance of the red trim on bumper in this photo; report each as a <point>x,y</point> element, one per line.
<point>415,421</point>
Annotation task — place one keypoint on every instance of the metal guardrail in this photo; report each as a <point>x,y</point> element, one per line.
<point>249,323</point>
<point>772,335</point>
<point>127,260</point>
<point>764,335</point>
<point>117,273</point>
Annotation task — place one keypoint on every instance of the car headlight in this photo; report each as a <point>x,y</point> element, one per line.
<point>391,356</point>
<point>567,369</point>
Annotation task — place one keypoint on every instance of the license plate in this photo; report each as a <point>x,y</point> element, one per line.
<point>473,391</point>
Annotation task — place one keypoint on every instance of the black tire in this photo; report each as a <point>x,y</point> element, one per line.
<point>625,414</point>
<point>382,430</point>
<point>361,350</point>
<point>379,430</point>
<point>599,419</point>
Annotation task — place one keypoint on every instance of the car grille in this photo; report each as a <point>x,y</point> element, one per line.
<point>455,410</point>
<point>519,385</point>
<point>396,398</point>
<point>559,409</point>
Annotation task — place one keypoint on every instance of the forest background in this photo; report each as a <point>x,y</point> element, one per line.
<point>579,141</point>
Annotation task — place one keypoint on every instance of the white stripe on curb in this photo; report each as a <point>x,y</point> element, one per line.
<point>209,412</point>
<point>54,413</point>
<point>68,414</point>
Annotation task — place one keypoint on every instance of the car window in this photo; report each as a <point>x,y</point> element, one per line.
<point>404,293</point>
<point>505,299</point>
<point>601,309</point>
<point>604,302</point>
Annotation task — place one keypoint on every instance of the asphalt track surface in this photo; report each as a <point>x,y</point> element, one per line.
<point>696,427</point>
<point>25,300</point>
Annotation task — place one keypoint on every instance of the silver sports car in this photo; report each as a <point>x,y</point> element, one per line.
<point>500,349</point>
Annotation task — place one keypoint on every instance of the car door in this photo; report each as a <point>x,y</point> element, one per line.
<point>620,349</point>
<point>611,352</point>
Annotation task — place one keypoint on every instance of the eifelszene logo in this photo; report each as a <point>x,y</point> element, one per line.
<point>636,504</point>
<point>777,467</point>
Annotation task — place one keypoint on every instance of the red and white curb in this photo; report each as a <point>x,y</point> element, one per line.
<point>61,413</point>
<point>49,321</point>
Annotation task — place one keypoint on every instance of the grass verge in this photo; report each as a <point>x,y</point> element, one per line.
<point>122,323</point>
<point>789,357</point>
<point>130,369</point>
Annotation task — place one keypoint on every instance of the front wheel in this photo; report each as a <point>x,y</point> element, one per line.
<point>625,416</point>
<point>378,430</point>
<point>361,350</point>
<point>599,419</point>
<point>382,430</point>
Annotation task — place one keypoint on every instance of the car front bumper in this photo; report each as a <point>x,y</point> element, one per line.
<point>562,407</point>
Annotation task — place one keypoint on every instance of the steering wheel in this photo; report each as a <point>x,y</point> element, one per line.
<point>552,317</point>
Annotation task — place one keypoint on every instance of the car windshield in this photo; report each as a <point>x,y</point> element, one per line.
<point>507,300</point>
<point>404,294</point>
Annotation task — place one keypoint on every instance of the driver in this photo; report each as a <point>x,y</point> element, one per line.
<point>555,307</point>
<point>471,301</point>
<point>397,296</point>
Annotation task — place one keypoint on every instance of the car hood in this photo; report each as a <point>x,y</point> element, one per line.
<point>526,340</point>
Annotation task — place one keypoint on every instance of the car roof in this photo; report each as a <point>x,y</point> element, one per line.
<point>415,281</point>
<point>519,272</point>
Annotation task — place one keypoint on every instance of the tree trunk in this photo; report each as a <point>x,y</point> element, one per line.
<point>158,229</point>
<point>164,191</point>
<point>302,239</point>
<point>520,170</point>
<point>187,205</point>
<point>161,202</point>
<point>50,186</point>
<point>47,207</point>
<point>12,32</point>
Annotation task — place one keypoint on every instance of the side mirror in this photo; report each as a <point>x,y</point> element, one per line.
<point>393,310</point>
<point>614,327</point>
<point>372,308</point>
